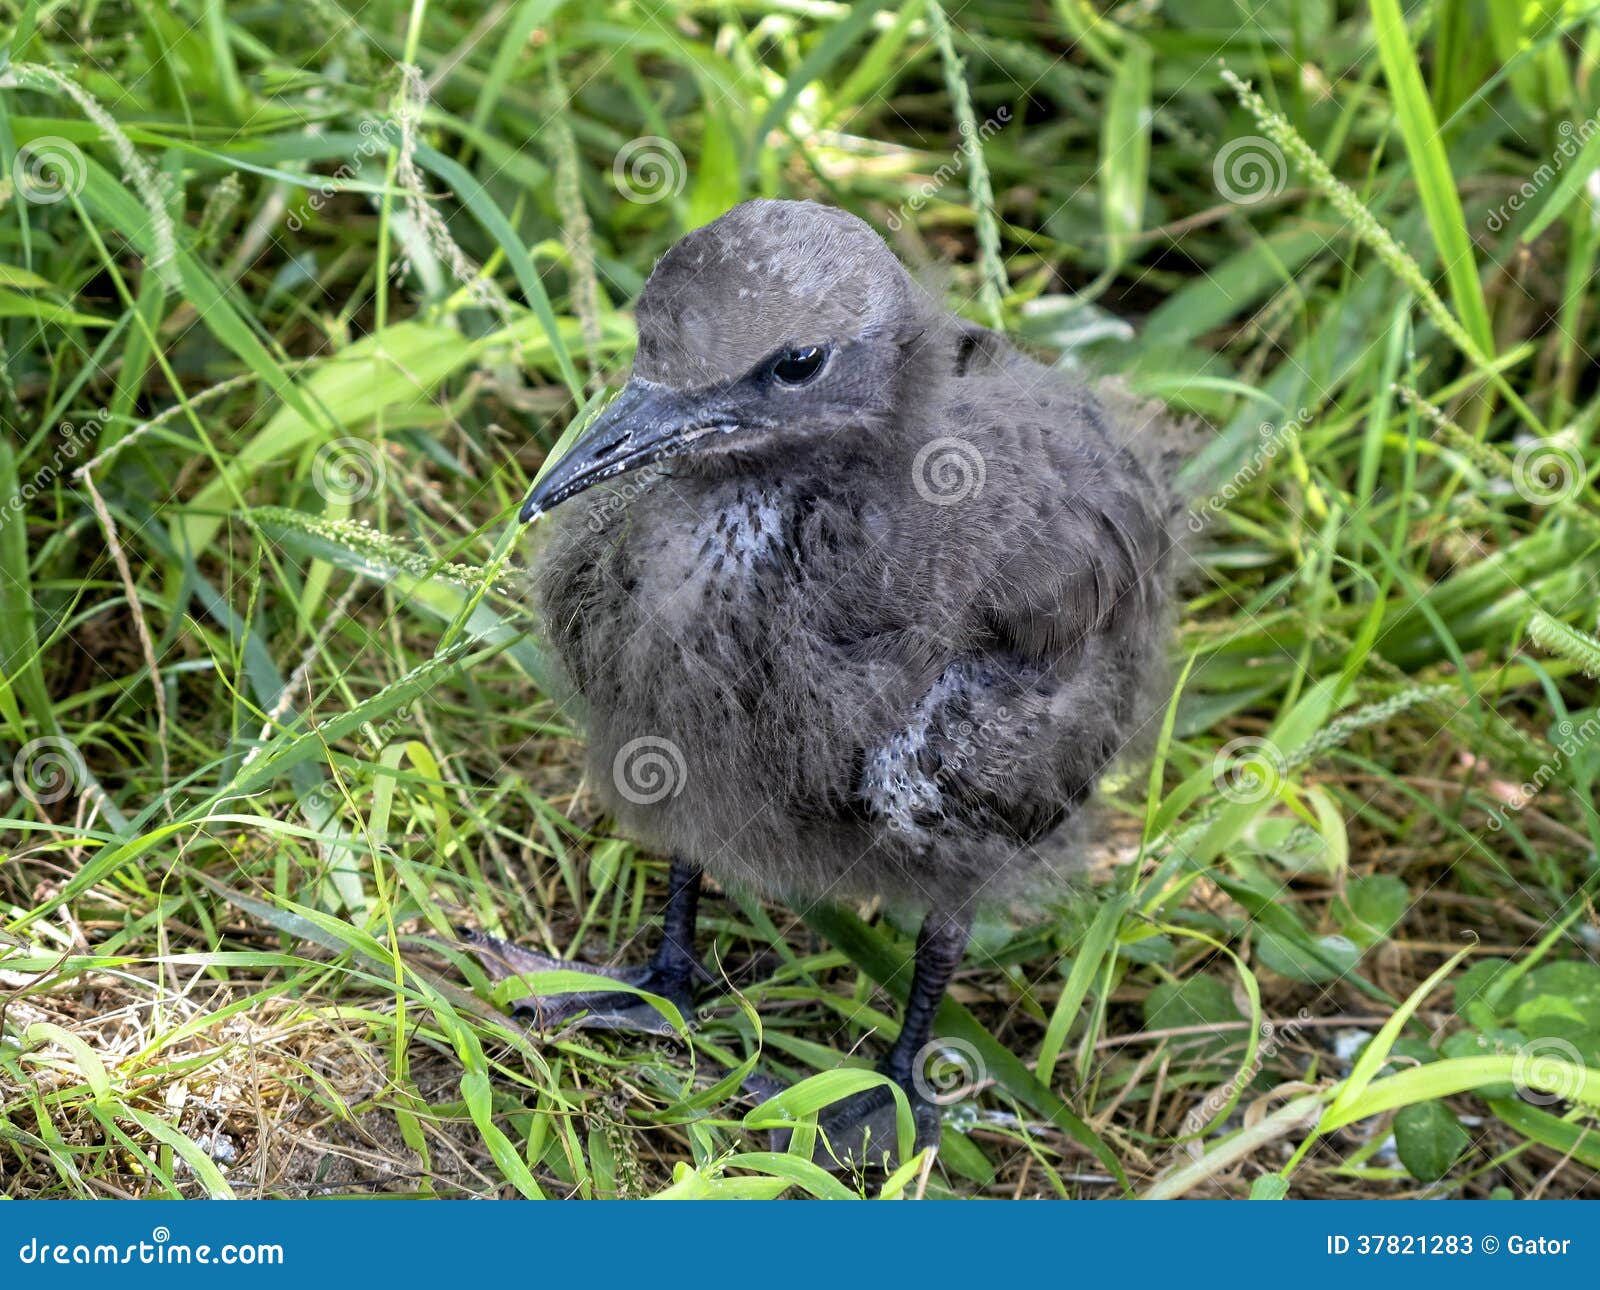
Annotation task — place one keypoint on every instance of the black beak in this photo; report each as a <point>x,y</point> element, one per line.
<point>643,424</point>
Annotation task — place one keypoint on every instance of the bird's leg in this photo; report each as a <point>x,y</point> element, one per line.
<point>940,945</point>
<point>674,966</point>
<point>671,973</point>
<point>862,1129</point>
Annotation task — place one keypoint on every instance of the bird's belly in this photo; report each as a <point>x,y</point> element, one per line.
<point>694,754</point>
<point>725,732</point>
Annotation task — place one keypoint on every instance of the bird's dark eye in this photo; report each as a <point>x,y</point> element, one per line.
<point>797,366</point>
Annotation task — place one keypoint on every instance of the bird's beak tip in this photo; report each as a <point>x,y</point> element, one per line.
<point>636,428</point>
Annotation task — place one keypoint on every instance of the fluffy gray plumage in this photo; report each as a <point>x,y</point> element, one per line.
<point>879,633</point>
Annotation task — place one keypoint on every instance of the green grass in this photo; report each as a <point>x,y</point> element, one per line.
<point>287,330</point>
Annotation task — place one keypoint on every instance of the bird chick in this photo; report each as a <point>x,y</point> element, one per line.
<point>860,601</point>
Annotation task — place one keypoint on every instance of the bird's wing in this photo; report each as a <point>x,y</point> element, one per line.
<point>1084,542</point>
<point>1057,640</point>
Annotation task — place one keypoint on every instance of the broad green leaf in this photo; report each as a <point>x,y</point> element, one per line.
<point>394,371</point>
<point>1478,1043</point>
<point>826,51</point>
<point>15,276</point>
<point>1321,958</point>
<point>717,180</point>
<point>1372,907</point>
<point>1428,1140</point>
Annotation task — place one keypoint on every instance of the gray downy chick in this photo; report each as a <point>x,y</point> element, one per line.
<point>859,600</point>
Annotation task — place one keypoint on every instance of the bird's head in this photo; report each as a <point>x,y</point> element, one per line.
<point>777,324</point>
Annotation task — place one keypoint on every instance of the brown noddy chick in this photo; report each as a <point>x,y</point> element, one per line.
<point>859,600</point>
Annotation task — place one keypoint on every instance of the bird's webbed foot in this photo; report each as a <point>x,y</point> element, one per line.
<point>861,1132</point>
<point>669,977</point>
